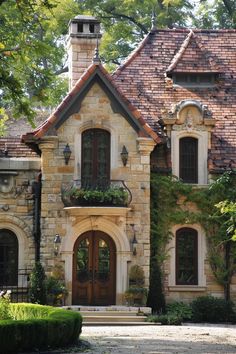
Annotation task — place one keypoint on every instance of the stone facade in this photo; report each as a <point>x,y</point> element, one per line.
<point>144,110</point>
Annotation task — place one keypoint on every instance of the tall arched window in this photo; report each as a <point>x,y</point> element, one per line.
<point>186,257</point>
<point>8,258</point>
<point>188,159</point>
<point>95,169</point>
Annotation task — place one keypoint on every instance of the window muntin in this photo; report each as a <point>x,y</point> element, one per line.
<point>95,172</point>
<point>188,159</point>
<point>8,258</point>
<point>194,79</point>
<point>186,257</point>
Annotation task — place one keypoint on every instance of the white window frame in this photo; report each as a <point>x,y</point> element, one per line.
<point>202,137</point>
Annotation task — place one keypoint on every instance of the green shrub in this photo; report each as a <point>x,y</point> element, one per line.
<point>37,291</point>
<point>5,305</point>
<point>38,327</point>
<point>211,309</point>
<point>180,309</point>
<point>55,290</point>
<point>166,319</point>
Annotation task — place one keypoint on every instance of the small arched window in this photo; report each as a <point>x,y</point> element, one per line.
<point>95,169</point>
<point>186,257</point>
<point>188,159</point>
<point>8,258</point>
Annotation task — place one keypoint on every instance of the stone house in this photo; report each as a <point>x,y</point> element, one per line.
<point>75,191</point>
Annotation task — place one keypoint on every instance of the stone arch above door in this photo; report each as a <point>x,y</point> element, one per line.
<point>117,234</point>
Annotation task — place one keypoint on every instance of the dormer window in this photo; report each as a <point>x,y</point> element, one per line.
<point>194,79</point>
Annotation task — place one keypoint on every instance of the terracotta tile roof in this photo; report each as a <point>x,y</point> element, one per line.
<point>15,148</point>
<point>40,131</point>
<point>193,57</point>
<point>142,79</point>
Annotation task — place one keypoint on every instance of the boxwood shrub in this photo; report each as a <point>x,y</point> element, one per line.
<point>212,309</point>
<point>38,327</point>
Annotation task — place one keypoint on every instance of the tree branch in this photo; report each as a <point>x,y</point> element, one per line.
<point>130,18</point>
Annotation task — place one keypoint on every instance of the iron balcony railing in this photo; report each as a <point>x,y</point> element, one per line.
<point>113,193</point>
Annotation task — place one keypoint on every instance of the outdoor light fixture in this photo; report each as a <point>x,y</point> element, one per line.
<point>67,153</point>
<point>124,155</point>
<point>134,241</point>
<point>57,243</point>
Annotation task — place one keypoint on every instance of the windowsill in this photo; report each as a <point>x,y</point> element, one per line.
<point>194,86</point>
<point>191,288</point>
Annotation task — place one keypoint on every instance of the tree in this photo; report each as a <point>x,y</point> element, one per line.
<point>126,22</point>
<point>216,14</point>
<point>32,53</point>
<point>37,291</point>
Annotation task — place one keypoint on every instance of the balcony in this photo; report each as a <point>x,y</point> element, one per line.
<point>107,194</point>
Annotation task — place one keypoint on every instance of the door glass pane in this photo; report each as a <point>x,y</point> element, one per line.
<point>103,260</point>
<point>8,258</point>
<point>82,270</point>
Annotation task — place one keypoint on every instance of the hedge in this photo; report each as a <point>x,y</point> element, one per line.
<point>38,327</point>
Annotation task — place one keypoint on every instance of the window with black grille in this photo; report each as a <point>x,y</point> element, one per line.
<point>186,257</point>
<point>8,258</point>
<point>188,160</point>
<point>95,158</point>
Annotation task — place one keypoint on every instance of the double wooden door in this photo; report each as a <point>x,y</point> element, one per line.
<point>94,269</point>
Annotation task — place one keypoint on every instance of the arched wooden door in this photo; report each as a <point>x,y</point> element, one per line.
<point>94,269</point>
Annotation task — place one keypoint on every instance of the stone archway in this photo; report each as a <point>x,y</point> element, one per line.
<point>116,232</point>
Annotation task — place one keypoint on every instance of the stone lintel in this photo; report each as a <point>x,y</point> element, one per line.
<point>97,211</point>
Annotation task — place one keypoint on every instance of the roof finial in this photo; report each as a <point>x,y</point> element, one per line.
<point>153,21</point>
<point>96,58</point>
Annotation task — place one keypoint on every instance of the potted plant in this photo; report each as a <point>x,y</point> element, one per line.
<point>136,294</point>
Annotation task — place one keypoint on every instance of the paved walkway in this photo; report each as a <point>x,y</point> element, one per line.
<point>160,339</point>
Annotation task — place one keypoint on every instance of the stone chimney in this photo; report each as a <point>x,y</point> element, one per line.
<point>84,32</point>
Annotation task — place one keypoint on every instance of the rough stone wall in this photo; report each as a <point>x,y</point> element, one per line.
<point>96,112</point>
<point>16,204</point>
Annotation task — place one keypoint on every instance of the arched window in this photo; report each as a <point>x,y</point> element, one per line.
<point>95,169</point>
<point>8,258</point>
<point>188,160</point>
<point>186,257</point>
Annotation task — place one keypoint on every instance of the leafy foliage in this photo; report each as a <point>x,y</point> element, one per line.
<point>37,290</point>
<point>5,299</point>
<point>36,326</point>
<point>211,309</point>
<point>180,309</point>
<point>171,203</point>
<point>167,319</point>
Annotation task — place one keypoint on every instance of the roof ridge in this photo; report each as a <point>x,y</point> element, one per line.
<point>176,59</point>
<point>180,52</point>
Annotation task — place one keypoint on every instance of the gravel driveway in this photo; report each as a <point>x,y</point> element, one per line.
<point>160,339</point>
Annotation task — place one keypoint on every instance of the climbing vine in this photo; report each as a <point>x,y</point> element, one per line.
<point>173,202</point>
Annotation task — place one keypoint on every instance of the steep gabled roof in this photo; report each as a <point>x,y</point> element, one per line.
<point>193,57</point>
<point>71,104</point>
<point>143,80</point>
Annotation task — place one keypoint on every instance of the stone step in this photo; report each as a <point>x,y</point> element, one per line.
<point>120,324</point>
<point>96,318</point>
<point>111,313</point>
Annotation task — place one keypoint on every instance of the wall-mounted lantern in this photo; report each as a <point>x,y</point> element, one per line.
<point>134,241</point>
<point>67,153</point>
<point>57,244</point>
<point>124,155</point>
